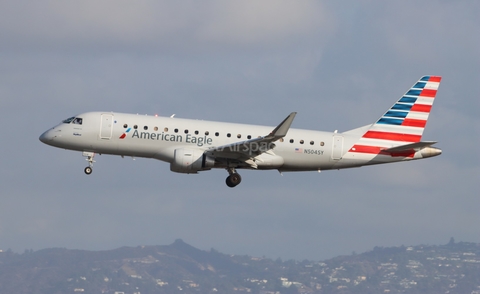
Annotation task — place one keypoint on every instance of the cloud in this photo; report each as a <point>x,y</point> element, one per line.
<point>124,25</point>
<point>264,22</point>
<point>435,23</point>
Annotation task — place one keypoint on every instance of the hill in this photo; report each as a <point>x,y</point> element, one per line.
<point>181,268</point>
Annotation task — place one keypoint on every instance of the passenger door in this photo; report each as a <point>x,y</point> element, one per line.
<point>106,126</point>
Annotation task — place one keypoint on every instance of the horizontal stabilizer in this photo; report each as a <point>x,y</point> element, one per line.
<point>413,146</point>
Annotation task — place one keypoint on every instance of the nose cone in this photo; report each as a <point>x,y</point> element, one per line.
<point>47,137</point>
<point>44,137</point>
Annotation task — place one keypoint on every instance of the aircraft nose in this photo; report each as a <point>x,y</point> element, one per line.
<point>44,137</point>
<point>47,136</point>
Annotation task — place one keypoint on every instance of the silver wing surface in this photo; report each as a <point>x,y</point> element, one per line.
<point>248,153</point>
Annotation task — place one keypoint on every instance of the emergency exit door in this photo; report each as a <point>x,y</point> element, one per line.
<point>337,147</point>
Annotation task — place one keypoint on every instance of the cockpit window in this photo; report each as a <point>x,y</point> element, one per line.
<point>73,120</point>
<point>68,120</point>
<point>77,121</point>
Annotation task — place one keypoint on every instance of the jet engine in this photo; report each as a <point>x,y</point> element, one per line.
<point>190,161</point>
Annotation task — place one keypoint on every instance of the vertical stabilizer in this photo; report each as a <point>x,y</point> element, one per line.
<point>404,122</point>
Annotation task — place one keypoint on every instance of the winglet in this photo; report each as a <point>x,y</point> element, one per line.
<point>281,130</point>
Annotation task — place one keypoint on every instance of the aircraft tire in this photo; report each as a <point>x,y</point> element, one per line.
<point>233,180</point>
<point>88,170</point>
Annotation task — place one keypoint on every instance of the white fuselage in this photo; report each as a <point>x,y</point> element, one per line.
<point>191,146</point>
<point>159,137</point>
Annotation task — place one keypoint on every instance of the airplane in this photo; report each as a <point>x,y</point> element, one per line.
<point>191,146</point>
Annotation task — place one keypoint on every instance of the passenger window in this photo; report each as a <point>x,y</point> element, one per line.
<point>301,141</point>
<point>217,134</point>
<point>281,140</point>
<point>176,130</point>
<point>135,127</point>
<point>321,143</point>
<point>207,133</point>
<point>196,132</point>
<point>165,129</point>
<point>291,141</point>
<point>145,128</point>
<point>125,126</point>
<point>155,129</point>
<point>239,136</point>
<point>186,131</point>
<point>311,142</point>
<point>249,137</point>
<point>229,135</point>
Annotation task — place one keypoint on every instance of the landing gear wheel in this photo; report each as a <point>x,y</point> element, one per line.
<point>89,155</point>
<point>88,170</point>
<point>233,180</point>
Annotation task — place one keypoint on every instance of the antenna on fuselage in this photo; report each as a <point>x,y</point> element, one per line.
<point>171,116</point>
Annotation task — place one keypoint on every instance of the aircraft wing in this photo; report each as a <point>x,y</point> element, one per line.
<point>413,146</point>
<point>246,151</point>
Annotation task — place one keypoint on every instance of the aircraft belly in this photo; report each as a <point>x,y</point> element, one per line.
<point>165,154</point>
<point>357,160</point>
<point>306,162</point>
<point>147,150</point>
<point>106,146</point>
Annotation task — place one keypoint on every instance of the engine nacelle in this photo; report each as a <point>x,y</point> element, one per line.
<point>190,161</point>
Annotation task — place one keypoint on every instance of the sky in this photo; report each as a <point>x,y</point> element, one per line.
<point>339,64</point>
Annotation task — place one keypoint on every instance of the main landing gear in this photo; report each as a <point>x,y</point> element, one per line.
<point>234,178</point>
<point>89,155</point>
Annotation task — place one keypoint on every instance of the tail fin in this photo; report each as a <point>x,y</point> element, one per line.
<point>404,122</point>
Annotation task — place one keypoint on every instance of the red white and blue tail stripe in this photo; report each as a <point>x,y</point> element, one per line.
<point>403,124</point>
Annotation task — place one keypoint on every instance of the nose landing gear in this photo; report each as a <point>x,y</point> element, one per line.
<point>233,179</point>
<point>89,157</point>
<point>88,170</point>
